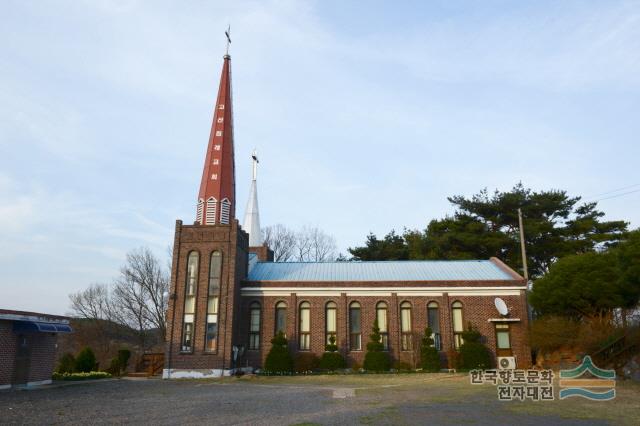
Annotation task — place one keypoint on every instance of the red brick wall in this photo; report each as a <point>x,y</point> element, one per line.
<point>264,253</point>
<point>42,350</point>
<point>232,242</point>
<point>43,355</point>
<point>7,352</point>
<point>476,309</point>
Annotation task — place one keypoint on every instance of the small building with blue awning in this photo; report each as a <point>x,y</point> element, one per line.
<point>28,343</point>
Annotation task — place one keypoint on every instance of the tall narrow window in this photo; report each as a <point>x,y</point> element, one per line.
<point>190,302</point>
<point>225,211</point>
<point>254,326</point>
<point>381,317</point>
<point>433,320</point>
<point>215,270</point>
<point>406,343</point>
<point>212,204</point>
<point>331,323</point>
<point>355,329</point>
<point>458,327</point>
<point>281,318</point>
<point>305,326</point>
<point>199,209</point>
<point>503,340</point>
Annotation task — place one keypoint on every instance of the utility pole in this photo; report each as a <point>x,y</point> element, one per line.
<point>522,248</point>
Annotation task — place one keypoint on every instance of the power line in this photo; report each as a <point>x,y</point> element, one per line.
<point>612,191</point>
<point>617,195</point>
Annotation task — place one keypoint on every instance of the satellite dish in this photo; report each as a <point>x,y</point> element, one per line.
<point>501,306</point>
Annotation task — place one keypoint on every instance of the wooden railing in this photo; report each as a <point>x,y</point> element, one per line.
<point>151,364</point>
<point>616,352</point>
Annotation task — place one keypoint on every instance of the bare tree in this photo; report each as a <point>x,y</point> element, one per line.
<point>315,245</point>
<point>281,240</point>
<point>92,303</point>
<point>95,304</point>
<point>138,294</point>
<point>144,269</point>
<point>304,245</point>
<point>135,299</point>
<point>310,244</point>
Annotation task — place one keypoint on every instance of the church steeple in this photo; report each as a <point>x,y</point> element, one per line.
<point>252,217</point>
<point>217,196</point>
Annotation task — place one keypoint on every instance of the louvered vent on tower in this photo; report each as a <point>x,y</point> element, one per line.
<point>225,210</point>
<point>212,205</point>
<point>199,211</point>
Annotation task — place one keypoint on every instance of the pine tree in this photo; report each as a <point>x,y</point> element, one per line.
<point>429,356</point>
<point>376,359</point>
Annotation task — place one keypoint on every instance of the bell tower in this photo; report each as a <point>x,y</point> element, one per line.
<point>209,260</point>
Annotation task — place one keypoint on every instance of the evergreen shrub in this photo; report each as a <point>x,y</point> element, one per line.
<point>429,356</point>
<point>85,361</point>
<point>66,364</point>
<point>123,358</point>
<point>332,359</point>
<point>279,359</point>
<point>473,354</point>
<point>376,359</point>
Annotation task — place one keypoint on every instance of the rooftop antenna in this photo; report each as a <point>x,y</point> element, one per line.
<point>228,34</point>
<point>254,156</point>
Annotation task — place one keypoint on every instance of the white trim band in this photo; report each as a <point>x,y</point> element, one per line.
<point>381,291</point>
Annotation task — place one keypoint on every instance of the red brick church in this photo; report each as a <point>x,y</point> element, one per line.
<point>228,298</point>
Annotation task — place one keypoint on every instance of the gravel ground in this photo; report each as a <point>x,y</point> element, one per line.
<point>270,401</point>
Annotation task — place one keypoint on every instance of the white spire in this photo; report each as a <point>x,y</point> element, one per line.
<point>252,217</point>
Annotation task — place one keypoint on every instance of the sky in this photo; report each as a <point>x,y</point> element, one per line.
<point>366,118</point>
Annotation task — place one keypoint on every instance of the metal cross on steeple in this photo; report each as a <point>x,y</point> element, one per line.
<point>254,156</point>
<point>228,34</point>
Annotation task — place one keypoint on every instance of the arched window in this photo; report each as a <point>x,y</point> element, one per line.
<point>355,329</point>
<point>381,318</point>
<point>215,271</point>
<point>254,326</point>
<point>199,209</point>
<point>458,324</point>
<point>331,322</point>
<point>406,343</point>
<point>433,321</point>
<point>212,205</point>
<point>305,326</point>
<point>225,211</point>
<point>281,318</point>
<point>191,286</point>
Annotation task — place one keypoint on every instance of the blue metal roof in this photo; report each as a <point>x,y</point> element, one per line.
<point>425,270</point>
